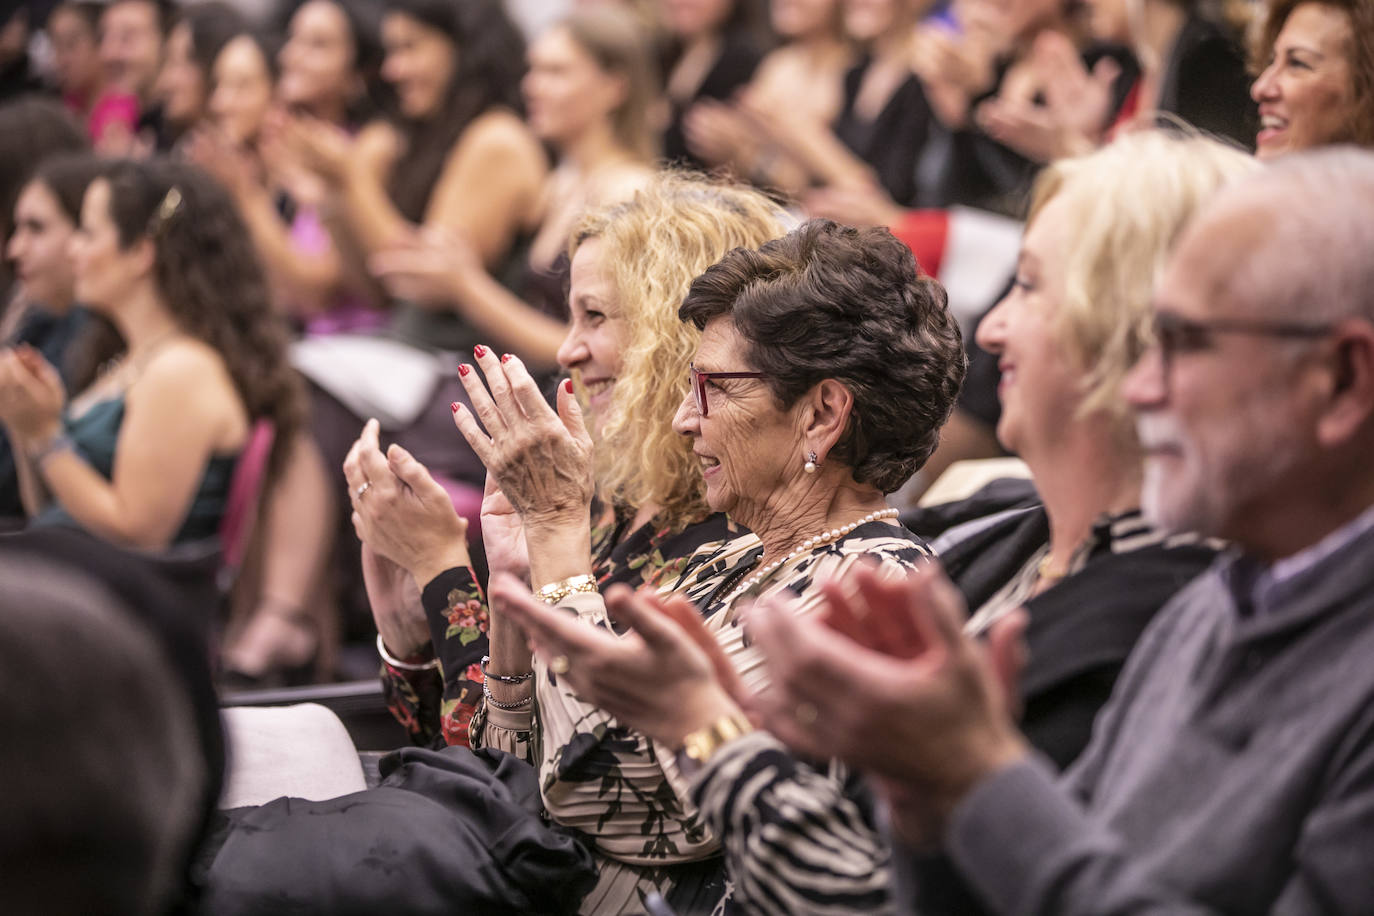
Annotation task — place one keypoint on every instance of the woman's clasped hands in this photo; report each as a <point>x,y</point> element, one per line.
<point>31,395</point>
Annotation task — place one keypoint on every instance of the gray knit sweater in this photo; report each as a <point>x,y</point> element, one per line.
<point>1232,771</point>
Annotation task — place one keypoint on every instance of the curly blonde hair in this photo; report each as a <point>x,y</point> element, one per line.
<point>653,246</point>
<point>1129,201</point>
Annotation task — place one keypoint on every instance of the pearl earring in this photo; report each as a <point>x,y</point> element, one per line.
<point>810,466</point>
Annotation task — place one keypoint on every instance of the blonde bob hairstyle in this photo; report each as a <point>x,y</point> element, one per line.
<point>1127,202</point>
<point>653,246</point>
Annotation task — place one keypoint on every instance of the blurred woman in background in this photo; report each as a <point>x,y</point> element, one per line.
<point>143,455</point>
<point>590,94</point>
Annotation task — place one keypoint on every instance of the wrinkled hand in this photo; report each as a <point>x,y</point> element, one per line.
<point>934,718</point>
<point>404,515</point>
<point>660,678</point>
<point>503,534</point>
<point>396,607</point>
<point>541,460</point>
<point>429,267</point>
<point>31,395</point>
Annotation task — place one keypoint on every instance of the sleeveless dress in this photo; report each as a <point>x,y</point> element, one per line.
<point>95,435</point>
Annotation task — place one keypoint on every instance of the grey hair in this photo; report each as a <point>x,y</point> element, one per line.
<point>1316,263</point>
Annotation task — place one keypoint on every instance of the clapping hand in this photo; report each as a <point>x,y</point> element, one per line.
<point>31,395</point>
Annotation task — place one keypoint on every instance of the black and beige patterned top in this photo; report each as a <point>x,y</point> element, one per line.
<point>619,788</point>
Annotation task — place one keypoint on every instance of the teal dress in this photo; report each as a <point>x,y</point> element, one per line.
<point>94,436</point>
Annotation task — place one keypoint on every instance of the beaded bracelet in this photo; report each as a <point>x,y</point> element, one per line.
<point>504,678</point>
<point>518,704</point>
<point>397,663</point>
<point>555,592</point>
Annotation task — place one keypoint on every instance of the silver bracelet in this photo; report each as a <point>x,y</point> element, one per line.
<point>504,678</point>
<point>518,704</point>
<point>397,663</point>
<point>58,443</point>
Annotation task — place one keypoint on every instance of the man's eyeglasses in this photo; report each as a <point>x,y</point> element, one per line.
<point>699,380</point>
<point>1175,334</point>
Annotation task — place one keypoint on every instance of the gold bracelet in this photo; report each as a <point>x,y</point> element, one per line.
<point>701,744</point>
<point>555,592</point>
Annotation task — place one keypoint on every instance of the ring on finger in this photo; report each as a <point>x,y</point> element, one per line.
<point>362,488</point>
<point>559,664</point>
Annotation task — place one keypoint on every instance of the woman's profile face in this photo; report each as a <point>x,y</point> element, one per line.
<point>1306,94</point>
<point>180,82</point>
<point>105,273</point>
<point>565,89</point>
<point>317,66</point>
<point>38,247</point>
<point>598,332</point>
<point>419,64</point>
<point>749,449</point>
<point>1039,387</point>
<point>243,90</point>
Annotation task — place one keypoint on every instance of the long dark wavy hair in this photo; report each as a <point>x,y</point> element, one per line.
<point>491,62</point>
<point>209,275</point>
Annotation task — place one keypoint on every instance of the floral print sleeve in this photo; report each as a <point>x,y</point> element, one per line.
<point>414,698</point>
<point>457,614</point>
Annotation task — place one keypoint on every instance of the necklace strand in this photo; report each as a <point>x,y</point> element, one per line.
<point>811,543</point>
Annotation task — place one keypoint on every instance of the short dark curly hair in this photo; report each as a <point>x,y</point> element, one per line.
<point>830,301</point>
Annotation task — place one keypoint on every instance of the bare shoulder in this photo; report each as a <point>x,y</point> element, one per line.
<point>191,375</point>
<point>500,134</point>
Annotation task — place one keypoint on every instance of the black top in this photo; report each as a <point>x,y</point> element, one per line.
<point>739,57</point>
<point>1206,83</point>
<point>890,142</point>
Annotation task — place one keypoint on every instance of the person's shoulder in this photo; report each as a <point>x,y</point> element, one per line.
<point>499,132</point>
<point>183,369</point>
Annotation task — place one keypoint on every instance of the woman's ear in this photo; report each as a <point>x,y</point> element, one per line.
<point>830,404</point>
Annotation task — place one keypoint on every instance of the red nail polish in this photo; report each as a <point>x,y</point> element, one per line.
<point>567,386</point>
<point>464,369</point>
<point>479,351</point>
<point>505,358</point>
<point>455,407</point>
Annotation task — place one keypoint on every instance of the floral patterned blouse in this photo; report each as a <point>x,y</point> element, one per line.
<point>623,791</point>
<point>437,705</point>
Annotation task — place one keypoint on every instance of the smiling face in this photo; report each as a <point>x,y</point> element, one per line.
<point>749,449</point>
<point>1306,94</point>
<point>420,63</point>
<point>1222,427</point>
<point>181,84</point>
<point>38,247</point>
<point>598,332</point>
<point>565,90</point>
<point>317,65</point>
<point>1039,389</point>
<point>243,90</point>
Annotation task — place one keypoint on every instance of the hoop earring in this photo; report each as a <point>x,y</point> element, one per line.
<point>811,465</point>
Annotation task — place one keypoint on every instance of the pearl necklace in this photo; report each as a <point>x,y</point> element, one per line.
<point>825,537</point>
